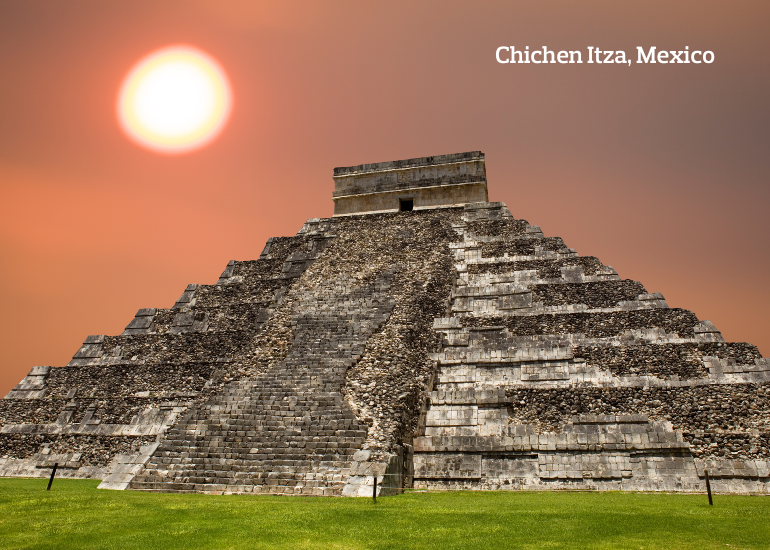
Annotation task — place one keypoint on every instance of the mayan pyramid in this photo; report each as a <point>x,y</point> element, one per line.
<point>422,335</point>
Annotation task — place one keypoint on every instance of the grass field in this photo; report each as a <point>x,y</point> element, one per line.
<point>75,515</point>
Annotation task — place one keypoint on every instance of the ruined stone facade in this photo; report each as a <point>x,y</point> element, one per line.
<point>412,184</point>
<point>451,346</point>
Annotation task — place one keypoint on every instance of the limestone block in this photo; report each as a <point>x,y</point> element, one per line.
<point>31,386</point>
<point>447,465</point>
<point>88,351</point>
<point>457,338</point>
<point>190,321</point>
<point>444,323</point>
<point>388,471</point>
<point>510,467</point>
<point>452,415</point>
<point>572,274</point>
<point>142,322</point>
<point>519,300</point>
<point>705,331</point>
<point>187,299</point>
<point>655,296</point>
<point>457,373</point>
<point>230,269</point>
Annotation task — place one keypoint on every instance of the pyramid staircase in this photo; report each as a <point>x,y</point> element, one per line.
<point>289,431</point>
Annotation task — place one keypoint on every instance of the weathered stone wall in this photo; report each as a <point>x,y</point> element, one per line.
<point>555,373</point>
<point>428,182</point>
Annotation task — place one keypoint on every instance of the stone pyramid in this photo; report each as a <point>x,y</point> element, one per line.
<point>422,336</point>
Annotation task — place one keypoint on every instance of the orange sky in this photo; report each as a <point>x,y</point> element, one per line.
<point>661,171</point>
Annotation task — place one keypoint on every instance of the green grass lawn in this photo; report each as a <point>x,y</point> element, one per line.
<point>74,514</point>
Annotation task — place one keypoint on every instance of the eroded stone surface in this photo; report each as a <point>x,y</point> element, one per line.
<point>441,347</point>
<point>555,373</point>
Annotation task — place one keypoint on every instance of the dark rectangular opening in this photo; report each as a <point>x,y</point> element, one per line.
<point>407,205</point>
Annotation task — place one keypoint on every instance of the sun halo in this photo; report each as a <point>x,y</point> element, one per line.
<point>175,100</point>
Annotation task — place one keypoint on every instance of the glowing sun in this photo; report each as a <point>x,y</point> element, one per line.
<point>174,100</point>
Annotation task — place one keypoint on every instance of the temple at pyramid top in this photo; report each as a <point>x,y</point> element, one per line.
<point>411,184</point>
